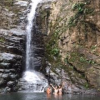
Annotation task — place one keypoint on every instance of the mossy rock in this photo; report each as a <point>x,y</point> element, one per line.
<point>2,40</point>
<point>79,61</point>
<point>93,76</point>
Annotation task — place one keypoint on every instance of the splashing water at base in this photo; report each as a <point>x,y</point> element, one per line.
<point>34,77</point>
<point>36,81</point>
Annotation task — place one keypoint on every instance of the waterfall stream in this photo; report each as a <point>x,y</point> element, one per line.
<point>30,18</point>
<point>36,81</point>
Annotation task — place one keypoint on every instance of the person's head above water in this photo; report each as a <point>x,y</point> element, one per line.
<point>60,86</point>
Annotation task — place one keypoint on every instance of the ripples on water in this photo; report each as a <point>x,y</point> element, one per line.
<point>43,96</point>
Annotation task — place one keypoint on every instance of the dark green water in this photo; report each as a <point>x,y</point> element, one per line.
<point>43,96</point>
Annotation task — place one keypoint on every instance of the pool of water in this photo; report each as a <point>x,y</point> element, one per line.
<point>43,96</point>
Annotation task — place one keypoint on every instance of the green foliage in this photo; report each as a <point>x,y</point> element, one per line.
<point>80,60</point>
<point>86,85</point>
<point>93,47</point>
<point>66,60</point>
<point>83,59</point>
<point>7,2</point>
<point>89,11</point>
<point>81,10</point>
<point>72,22</point>
<point>91,62</point>
<point>74,57</point>
<point>55,51</point>
<point>2,39</point>
<point>51,46</point>
<point>79,7</point>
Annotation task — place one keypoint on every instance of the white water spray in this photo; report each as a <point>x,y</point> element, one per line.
<point>30,18</point>
<point>32,77</point>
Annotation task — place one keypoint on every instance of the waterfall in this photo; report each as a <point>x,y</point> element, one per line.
<point>30,18</point>
<point>35,79</point>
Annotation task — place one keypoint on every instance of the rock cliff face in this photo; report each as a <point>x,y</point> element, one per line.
<point>12,42</point>
<point>71,30</point>
<point>72,42</point>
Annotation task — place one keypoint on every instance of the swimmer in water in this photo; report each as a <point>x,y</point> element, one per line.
<point>55,89</point>
<point>60,89</point>
<point>48,91</point>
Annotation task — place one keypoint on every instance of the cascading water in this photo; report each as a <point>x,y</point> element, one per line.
<point>30,18</point>
<point>34,78</point>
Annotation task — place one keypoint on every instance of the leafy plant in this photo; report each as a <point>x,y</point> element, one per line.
<point>79,7</point>
<point>93,47</point>
<point>82,59</point>
<point>55,51</point>
<point>91,62</point>
<point>71,21</point>
<point>81,10</point>
<point>2,39</point>
<point>86,85</point>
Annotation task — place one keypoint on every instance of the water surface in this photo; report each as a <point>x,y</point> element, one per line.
<point>43,96</point>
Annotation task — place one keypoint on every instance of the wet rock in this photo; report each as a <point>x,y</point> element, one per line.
<point>14,49</point>
<point>2,70</point>
<point>1,74</point>
<point>2,81</point>
<point>48,70</point>
<point>5,76</point>
<point>12,41</point>
<point>17,32</point>
<point>7,57</point>
<point>10,83</point>
<point>12,70</point>
<point>10,60</point>
<point>13,77</point>
<point>7,71</point>
<point>15,88</point>
<point>7,89</point>
<point>20,89</point>
<point>22,80</point>
<point>22,3</point>
<point>4,65</point>
<point>59,76</point>
<point>93,76</point>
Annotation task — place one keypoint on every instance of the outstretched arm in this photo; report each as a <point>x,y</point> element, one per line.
<point>63,83</point>
<point>52,86</point>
